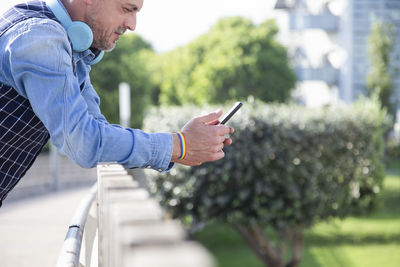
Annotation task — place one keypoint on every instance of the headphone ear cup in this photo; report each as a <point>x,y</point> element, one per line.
<point>81,36</point>
<point>98,58</point>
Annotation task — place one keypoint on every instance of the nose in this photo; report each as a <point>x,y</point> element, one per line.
<point>130,23</point>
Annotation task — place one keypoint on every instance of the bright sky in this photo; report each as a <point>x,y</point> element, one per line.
<point>167,24</point>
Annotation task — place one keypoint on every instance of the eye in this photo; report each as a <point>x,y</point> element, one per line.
<point>130,9</point>
<point>127,10</point>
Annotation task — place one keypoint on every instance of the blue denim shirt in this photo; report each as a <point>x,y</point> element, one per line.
<point>36,59</point>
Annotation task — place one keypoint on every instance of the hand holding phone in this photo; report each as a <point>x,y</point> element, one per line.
<point>231,112</point>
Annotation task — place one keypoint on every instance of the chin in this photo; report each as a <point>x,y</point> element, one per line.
<point>109,48</point>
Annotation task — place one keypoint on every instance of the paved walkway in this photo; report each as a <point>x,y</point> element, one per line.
<point>34,217</point>
<point>39,178</point>
<point>32,230</point>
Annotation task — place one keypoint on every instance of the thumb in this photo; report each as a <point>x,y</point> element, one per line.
<point>213,116</point>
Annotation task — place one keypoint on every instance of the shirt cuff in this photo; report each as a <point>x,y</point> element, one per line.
<point>150,150</point>
<point>162,146</point>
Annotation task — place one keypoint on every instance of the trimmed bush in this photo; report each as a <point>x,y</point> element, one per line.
<point>288,168</point>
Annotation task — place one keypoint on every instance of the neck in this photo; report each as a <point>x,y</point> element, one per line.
<point>75,8</point>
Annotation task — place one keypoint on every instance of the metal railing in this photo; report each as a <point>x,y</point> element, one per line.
<point>70,251</point>
<point>125,227</point>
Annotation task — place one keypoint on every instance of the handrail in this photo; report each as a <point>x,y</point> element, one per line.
<point>70,251</point>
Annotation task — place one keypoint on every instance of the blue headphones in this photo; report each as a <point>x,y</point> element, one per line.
<point>79,33</point>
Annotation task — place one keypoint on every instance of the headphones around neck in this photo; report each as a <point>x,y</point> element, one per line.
<point>79,33</point>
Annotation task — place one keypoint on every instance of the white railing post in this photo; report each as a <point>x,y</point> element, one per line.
<point>124,104</point>
<point>134,230</point>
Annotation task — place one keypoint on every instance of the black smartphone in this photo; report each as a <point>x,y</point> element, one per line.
<point>230,113</point>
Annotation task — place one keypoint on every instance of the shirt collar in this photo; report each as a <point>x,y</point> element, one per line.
<point>86,56</point>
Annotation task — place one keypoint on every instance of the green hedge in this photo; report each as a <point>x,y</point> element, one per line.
<point>288,165</point>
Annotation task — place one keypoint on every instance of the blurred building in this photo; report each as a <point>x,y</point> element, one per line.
<point>327,41</point>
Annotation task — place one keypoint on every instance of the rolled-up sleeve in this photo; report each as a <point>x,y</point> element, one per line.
<point>38,56</point>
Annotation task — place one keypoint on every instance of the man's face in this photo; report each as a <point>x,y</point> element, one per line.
<point>109,19</point>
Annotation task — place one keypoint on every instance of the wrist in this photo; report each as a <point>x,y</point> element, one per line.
<point>176,149</point>
<point>182,141</point>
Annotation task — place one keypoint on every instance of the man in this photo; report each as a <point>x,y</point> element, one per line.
<point>46,49</point>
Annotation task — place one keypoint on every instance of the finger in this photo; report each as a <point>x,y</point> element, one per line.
<point>216,122</point>
<point>223,129</point>
<point>211,117</point>
<point>219,139</point>
<point>218,155</point>
<point>218,147</point>
<point>228,142</point>
<point>215,141</point>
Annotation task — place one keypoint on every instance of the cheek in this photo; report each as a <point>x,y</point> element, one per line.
<point>112,16</point>
<point>106,19</point>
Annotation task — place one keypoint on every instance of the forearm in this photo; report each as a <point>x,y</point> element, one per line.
<point>131,148</point>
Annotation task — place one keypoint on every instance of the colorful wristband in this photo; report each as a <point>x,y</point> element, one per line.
<point>183,145</point>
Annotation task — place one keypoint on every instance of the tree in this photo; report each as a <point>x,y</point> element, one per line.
<point>380,77</point>
<point>288,168</point>
<point>126,63</point>
<point>233,60</point>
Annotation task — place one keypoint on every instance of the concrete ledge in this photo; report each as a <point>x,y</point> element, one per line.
<point>185,254</point>
<point>133,228</point>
